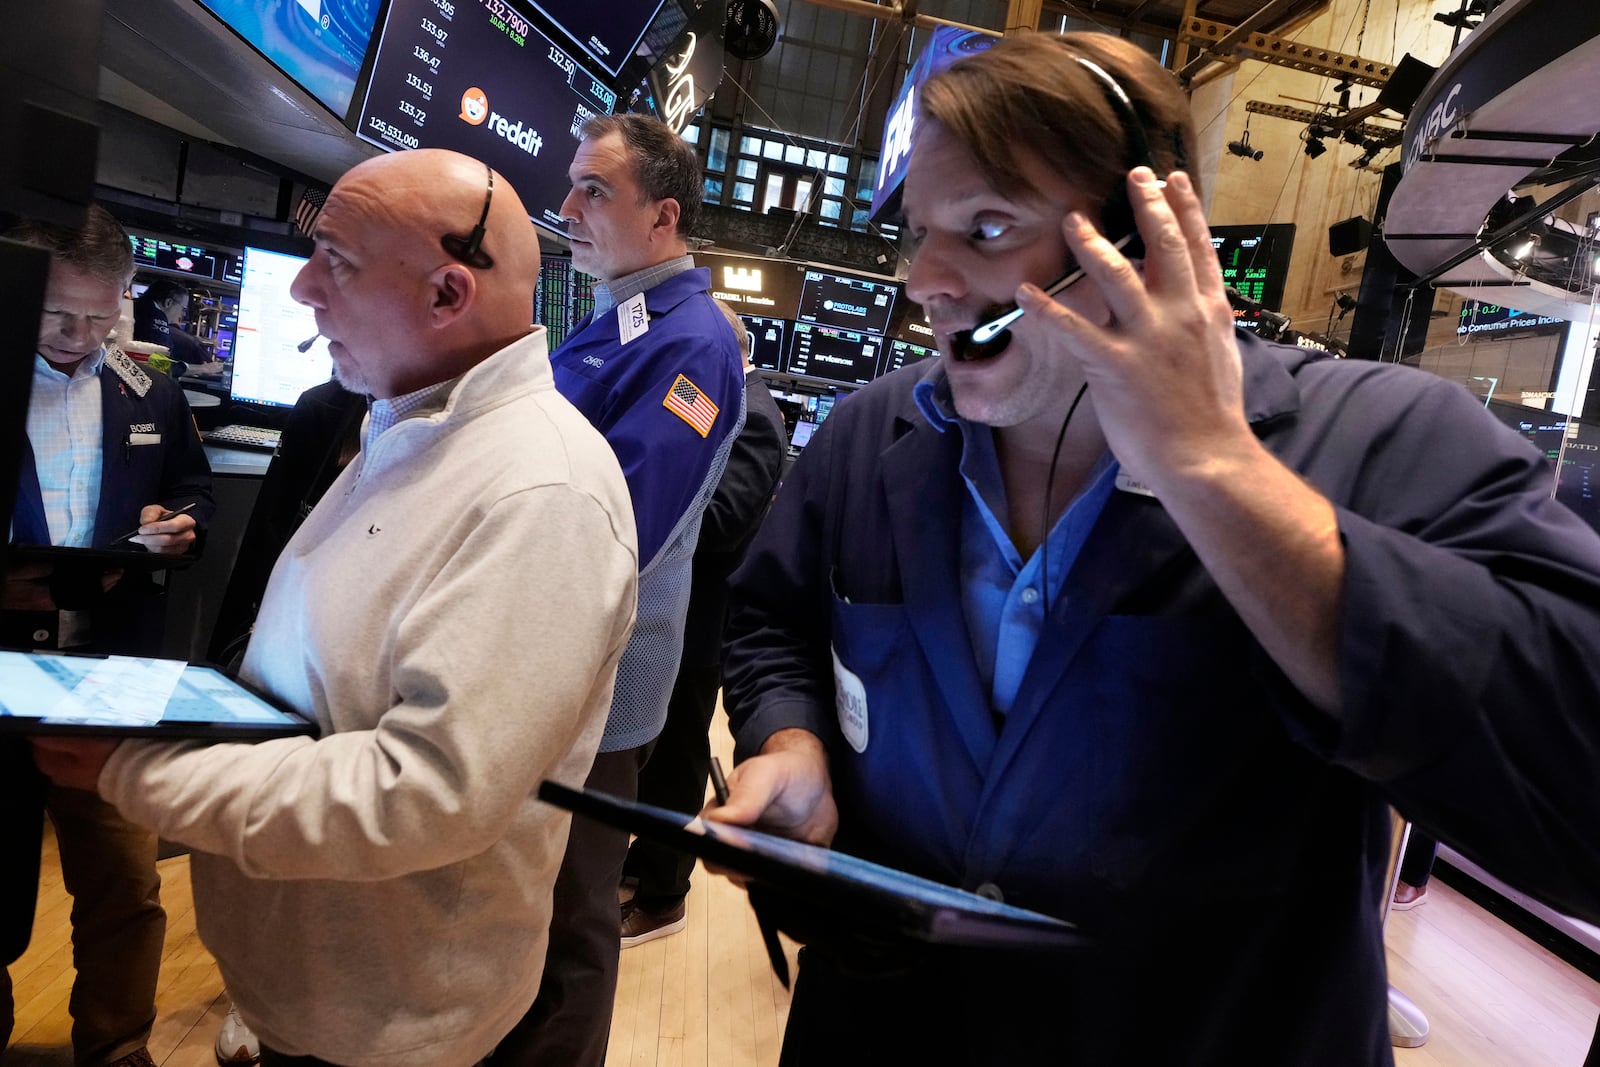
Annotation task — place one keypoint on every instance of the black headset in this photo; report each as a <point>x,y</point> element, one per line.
<point>1116,217</point>
<point>469,248</point>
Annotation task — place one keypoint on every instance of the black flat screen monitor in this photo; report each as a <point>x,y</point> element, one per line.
<point>768,335</point>
<point>319,43</point>
<point>849,303</point>
<point>903,353</point>
<point>484,81</point>
<point>608,32</point>
<point>753,285</point>
<point>179,258</point>
<point>802,434</point>
<point>835,355</point>
<point>1255,261</point>
<point>268,366</point>
<point>1571,445</point>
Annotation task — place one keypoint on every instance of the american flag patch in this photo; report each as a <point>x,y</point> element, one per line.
<point>686,401</point>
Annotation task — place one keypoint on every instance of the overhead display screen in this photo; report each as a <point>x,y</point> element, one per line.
<point>318,43</point>
<point>753,285</point>
<point>476,77</point>
<point>766,351</point>
<point>847,356</point>
<point>902,353</point>
<point>608,32</point>
<point>181,258</point>
<point>849,303</point>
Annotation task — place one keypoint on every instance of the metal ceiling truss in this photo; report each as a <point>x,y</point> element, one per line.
<point>1382,135</point>
<point>1223,42</point>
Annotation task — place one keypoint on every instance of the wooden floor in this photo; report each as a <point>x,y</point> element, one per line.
<point>707,998</point>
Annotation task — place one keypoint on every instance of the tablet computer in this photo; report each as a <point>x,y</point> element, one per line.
<point>127,556</point>
<point>132,696</point>
<point>804,889</point>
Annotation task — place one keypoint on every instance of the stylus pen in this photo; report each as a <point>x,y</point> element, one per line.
<point>719,782</point>
<point>163,517</point>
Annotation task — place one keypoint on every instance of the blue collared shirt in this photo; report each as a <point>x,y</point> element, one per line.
<point>64,428</point>
<point>1002,595</point>
<point>383,414</point>
<point>629,286</point>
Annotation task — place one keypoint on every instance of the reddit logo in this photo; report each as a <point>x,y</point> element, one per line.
<point>474,106</point>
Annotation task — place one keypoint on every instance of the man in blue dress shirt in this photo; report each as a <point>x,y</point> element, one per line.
<point>1142,622</point>
<point>111,446</point>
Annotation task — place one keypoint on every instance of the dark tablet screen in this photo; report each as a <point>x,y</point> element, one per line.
<point>127,696</point>
<point>913,906</point>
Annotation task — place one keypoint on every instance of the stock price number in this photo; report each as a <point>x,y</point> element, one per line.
<point>506,19</point>
<point>392,134</point>
<point>427,57</point>
<point>562,61</point>
<point>425,88</point>
<point>433,30</point>
<point>418,115</point>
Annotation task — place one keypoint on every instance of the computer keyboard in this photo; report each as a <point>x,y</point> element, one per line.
<point>258,437</point>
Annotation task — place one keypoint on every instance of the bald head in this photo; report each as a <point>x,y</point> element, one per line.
<point>392,257</point>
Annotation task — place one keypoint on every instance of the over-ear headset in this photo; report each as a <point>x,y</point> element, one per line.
<point>468,248</point>
<point>1117,225</point>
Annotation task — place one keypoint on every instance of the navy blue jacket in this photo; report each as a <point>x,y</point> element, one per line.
<point>672,466</point>
<point>172,472</point>
<point>1158,781</point>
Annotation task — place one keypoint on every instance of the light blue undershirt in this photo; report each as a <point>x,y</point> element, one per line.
<point>1001,594</point>
<point>64,428</point>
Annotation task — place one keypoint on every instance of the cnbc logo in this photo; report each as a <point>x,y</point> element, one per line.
<point>475,112</point>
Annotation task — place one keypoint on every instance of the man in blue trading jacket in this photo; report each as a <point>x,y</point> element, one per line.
<point>657,370</point>
<point>111,446</point>
<point>675,775</point>
<point>1142,622</point>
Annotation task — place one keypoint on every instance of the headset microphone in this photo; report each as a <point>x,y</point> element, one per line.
<point>305,346</point>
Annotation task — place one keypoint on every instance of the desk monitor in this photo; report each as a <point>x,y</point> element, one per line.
<point>849,303</point>
<point>766,350</point>
<point>268,366</point>
<point>847,356</point>
<point>802,434</point>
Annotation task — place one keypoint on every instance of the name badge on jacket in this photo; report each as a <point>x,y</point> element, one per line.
<point>632,319</point>
<point>850,700</point>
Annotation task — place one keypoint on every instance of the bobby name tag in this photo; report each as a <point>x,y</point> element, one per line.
<point>632,319</point>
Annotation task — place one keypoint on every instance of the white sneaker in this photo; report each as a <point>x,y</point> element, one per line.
<point>236,1043</point>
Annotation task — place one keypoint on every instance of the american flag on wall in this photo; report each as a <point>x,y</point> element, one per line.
<point>686,401</point>
<point>310,206</point>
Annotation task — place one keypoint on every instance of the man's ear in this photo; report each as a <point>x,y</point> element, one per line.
<point>667,216</point>
<point>453,288</point>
